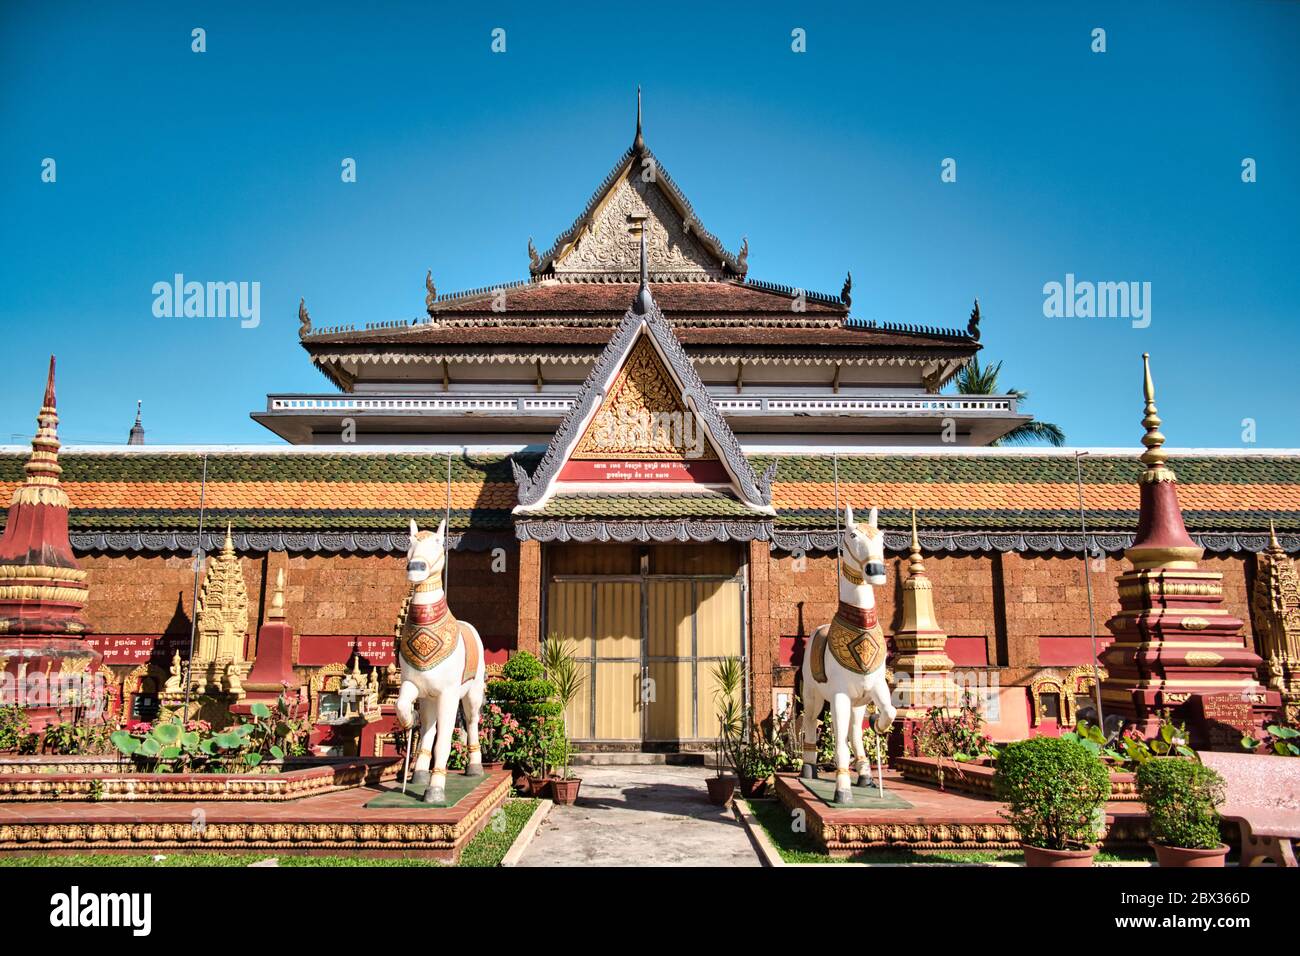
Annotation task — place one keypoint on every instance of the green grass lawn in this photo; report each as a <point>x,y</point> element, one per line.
<point>794,847</point>
<point>486,849</point>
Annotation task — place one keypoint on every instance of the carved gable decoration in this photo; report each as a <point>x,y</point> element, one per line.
<point>609,241</point>
<point>643,418</point>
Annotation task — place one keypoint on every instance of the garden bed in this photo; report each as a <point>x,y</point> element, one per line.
<point>89,779</point>
<point>976,779</point>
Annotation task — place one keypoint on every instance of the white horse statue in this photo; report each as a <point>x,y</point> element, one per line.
<point>442,666</point>
<point>853,673</point>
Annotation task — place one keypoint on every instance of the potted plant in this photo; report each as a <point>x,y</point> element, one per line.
<point>1183,798</point>
<point>727,678</point>
<point>560,665</point>
<point>529,696</point>
<point>1056,791</point>
<point>751,757</point>
<point>498,734</point>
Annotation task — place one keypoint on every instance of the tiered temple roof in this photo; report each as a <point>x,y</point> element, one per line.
<point>576,292</point>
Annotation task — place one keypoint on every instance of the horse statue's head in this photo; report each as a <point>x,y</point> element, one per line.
<point>426,554</point>
<point>862,550</point>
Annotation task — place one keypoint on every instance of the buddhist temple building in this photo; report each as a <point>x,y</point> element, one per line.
<point>643,450</point>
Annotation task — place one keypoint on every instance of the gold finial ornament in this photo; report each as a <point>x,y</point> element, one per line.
<point>915,564</point>
<point>1273,543</point>
<point>43,469</point>
<point>1155,456</point>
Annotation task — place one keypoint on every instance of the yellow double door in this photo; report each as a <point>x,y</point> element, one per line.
<point>648,647</point>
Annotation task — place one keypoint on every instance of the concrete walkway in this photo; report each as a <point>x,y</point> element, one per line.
<point>641,816</point>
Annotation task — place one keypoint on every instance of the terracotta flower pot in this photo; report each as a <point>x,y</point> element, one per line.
<point>538,786</point>
<point>564,791</point>
<point>721,790</point>
<point>1181,856</point>
<point>492,765</point>
<point>1039,856</point>
<point>753,787</point>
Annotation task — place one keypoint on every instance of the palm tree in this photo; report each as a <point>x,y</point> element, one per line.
<point>977,379</point>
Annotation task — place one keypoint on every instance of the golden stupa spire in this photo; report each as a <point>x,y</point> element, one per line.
<point>915,564</point>
<point>1155,456</point>
<point>42,468</point>
<point>1273,543</point>
<point>228,548</point>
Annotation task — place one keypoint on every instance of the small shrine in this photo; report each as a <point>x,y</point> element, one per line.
<point>220,663</point>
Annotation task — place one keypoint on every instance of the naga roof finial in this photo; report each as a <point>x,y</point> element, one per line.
<point>304,319</point>
<point>973,326</point>
<point>846,293</point>
<point>431,290</point>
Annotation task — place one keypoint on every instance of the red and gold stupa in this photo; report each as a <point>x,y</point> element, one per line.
<point>1174,641</point>
<point>42,591</point>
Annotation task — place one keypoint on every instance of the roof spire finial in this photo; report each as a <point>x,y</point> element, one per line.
<point>638,144</point>
<point>136,436</point>
<point>1273,543</point>
<point>643,300</point>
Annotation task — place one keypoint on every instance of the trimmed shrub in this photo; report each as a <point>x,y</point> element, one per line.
<point>1183,798</point>
<point>522,666</point>
<point>1057,791</point>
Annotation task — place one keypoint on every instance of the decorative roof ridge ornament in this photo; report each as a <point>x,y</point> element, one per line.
<point>973,326</point>
<point>304,319</point>
<point>431,291</point>
<point>1162,540</point>
<point>644,301</point>
<point>846,293</point>
<point>638,142</point>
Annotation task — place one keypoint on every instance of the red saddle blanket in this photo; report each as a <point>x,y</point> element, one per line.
<point>429,635</point>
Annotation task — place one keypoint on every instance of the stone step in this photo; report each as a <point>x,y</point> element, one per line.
<point>636,758</point>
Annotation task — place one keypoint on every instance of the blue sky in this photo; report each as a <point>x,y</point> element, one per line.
<point>1120,166</point>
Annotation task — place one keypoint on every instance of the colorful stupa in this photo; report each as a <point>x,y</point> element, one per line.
<point>1175,644</point>
<point>42,591</point>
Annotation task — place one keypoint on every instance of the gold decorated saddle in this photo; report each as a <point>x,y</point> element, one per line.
<point>429,634</point>
<point>856,641</point>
